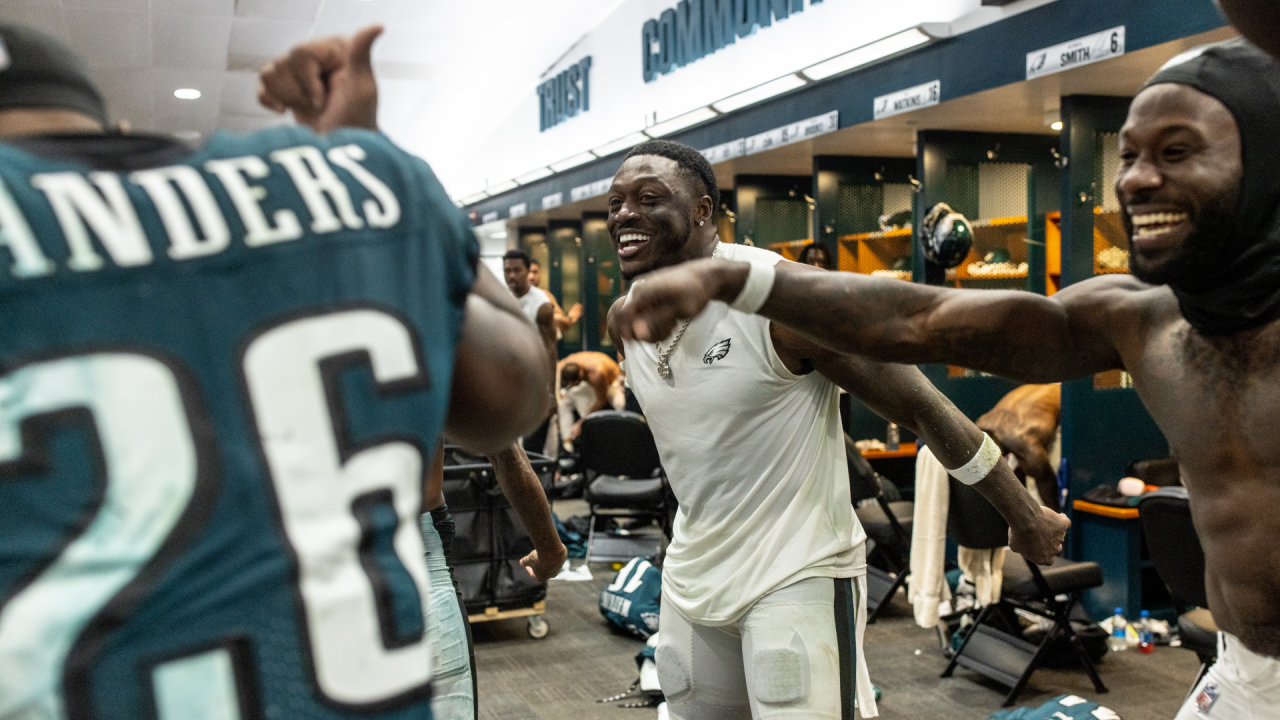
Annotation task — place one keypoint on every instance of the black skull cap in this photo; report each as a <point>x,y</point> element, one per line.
<point>39,71</point>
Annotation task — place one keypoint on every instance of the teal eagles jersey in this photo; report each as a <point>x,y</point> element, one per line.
<point>221,379</point>
<point>633,600</point>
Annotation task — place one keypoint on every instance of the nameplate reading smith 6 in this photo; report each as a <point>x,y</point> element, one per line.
<point>1083,51</point>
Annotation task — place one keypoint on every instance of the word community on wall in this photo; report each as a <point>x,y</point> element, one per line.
<point>694,29</point>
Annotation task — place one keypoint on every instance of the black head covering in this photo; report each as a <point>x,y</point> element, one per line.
<point>38,71</point>
<point>1241,290</point>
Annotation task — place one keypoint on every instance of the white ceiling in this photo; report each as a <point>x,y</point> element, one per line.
<point>449,70</point>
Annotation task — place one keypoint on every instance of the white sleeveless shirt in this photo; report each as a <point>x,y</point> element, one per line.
<point>532,301</point>
<point>756,457</point>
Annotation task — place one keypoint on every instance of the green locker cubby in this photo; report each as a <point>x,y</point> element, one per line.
<point>1006,184</point>
<point>854,193</point>
<point>773,211</point>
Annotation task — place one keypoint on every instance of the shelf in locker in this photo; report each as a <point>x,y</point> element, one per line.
<point>884,253</point>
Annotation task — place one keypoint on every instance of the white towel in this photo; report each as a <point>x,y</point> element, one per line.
<point>928,585</point>
<point>985,569</point>
<point>928,591</point>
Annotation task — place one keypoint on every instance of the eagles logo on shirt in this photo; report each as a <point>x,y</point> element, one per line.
<point>717,351</point>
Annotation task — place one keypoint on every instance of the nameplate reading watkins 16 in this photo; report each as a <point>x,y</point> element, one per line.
<point>1082,51</point>
<point>903,101</point>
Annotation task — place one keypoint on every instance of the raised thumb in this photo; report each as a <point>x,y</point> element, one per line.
<point>362,48</point>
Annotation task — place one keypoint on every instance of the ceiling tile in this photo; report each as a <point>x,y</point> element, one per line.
<point>346,16</point>
<point>240,95</point>
<point>172,114</point>
<point>46,16</point>
<point>134,6</point>
<point>195,7</point>
<point>128,95</point>
<point>278,9</point>
<point>266,38</point>
<point>190,41</point>
<point>110,39</point>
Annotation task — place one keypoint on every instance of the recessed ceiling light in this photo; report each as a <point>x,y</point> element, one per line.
<point>187,94</point>
<point>1057,125</point>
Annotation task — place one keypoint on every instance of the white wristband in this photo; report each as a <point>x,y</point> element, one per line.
<point>757,288</point>
<point>980,465</point>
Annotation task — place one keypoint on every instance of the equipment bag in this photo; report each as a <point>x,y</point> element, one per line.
<point>632,601</point>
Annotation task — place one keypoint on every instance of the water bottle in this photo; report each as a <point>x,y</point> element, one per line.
<point>1146,638</point>
<point>891,437</point>
<point>1117,641</point>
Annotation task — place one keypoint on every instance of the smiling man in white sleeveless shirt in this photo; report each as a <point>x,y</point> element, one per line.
<point>764,582</point>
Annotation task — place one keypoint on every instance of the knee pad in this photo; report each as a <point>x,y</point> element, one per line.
<point>673,676</point>
<point>781,675</point>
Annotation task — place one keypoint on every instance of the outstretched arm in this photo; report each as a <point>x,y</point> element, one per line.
<point>902,394</point>
<point>1012,333</point>
<point>520,484</point>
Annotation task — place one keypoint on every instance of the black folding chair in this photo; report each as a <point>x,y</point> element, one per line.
<point>624,480</point>
<point>998,653</point>
<point>1179,561</point>
<point>888,524</point>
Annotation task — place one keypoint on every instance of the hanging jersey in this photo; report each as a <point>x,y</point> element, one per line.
<point>218,380</point>
<point>755,455</point>
<point>533,301</point>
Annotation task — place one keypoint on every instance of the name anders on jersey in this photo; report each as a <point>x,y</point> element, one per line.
<point>96,205</point>
<point>717,351</point>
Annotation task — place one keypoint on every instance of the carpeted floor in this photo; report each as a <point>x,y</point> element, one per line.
<point>561,676</point>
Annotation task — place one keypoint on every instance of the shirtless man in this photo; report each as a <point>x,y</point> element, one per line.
<point>563,321</point>
<point>588,383</point>
<point>1025,423</point>
<point>765,571</point>
<point>1199,191</point>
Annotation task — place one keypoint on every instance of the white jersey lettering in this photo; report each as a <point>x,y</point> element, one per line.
<point>319,186</point>
<point>107,211</point>
<point>15,234</point>
<point>384,210</point>
<point>184,242</point>
<point>259,231</point>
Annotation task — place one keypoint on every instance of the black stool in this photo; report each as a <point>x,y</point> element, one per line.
<point>991,651</point>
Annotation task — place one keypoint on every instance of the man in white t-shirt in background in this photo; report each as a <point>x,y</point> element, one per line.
<point>537,306</point>
<point>764,581</point>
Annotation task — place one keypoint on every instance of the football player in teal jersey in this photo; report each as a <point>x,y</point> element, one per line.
<point>222,374</point>
<point>334,74</point>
